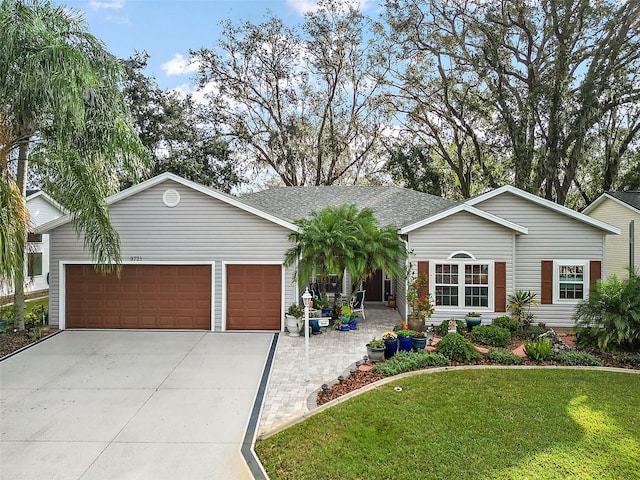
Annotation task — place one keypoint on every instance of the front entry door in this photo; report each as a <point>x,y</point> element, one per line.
<point>373,286</point>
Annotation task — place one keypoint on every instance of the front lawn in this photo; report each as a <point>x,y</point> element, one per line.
<point>506,424</point>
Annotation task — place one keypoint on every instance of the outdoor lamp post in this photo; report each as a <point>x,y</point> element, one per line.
<point>306,299</point>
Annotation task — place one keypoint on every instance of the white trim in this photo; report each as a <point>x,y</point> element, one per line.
<point>461,252</point>
<point>545,203</point>
<point>187,183</point>
<point>464,208</point>
<point>461,262</point>
<point>62,281</point>
<point>606,196</point>
<point>46,197</point>
<point>223,293</point>
<point>556,280</point>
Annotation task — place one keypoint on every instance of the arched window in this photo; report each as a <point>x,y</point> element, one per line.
<point>461,254</point>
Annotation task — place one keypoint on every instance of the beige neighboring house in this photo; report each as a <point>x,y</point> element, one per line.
<point>42,209</point>
<point>619,209</point>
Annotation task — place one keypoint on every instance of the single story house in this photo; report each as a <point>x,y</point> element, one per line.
<point>42,209</point>
<point>619,209</point>
<point>195,258</point>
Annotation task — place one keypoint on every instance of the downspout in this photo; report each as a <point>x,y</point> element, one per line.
<point>632,252</point>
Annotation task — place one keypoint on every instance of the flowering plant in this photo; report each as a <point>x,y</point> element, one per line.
<point>375,343</point>
<point>420,304</point>
<point>389,336</point>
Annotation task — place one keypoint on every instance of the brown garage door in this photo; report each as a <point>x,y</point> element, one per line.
<point>145,296</point>
<point>253,297</point>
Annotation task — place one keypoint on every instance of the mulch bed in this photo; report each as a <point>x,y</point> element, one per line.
<point>360,378</point>
<point>10,342</point>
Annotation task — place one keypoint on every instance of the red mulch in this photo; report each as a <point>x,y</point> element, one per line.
<point>353,382</point>
<point>361,378</point>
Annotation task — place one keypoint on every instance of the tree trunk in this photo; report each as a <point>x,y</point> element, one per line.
<point>21,182</point>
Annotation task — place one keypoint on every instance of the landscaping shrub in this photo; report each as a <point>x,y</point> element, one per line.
<point>491,335</point>
<point>539,351</point>
<point>587,337</point>
<point>533,331</point>
<point>505,321</point>
<point>628,358</point>
<point>614,306</point>
<point>503,357</point>
<point>403,362</point>
<point>456,347</point>
<point>579,358</point>
<point>441,330</point>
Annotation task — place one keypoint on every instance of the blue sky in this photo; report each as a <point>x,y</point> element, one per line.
<point>167,29</point>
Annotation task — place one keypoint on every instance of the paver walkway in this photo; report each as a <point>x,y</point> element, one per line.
<point>330,354</point>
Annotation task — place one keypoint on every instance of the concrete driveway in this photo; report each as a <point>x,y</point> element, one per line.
<point>130,405</point>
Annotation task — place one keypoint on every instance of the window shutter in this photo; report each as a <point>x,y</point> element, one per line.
<point>423,267</point>
<point>595,272</point>
<point>500,287</point>
<point>547,282</point>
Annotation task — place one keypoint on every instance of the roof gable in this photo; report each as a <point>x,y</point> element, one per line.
<point>469,209</point>
<point>630,200</point>
<point>545,203</point>
<point>187,183</point>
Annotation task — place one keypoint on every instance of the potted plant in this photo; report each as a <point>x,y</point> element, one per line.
<point>375,350</point>
<point>390,344</point>
<point>419,302</point>
<point>294,316</point>
<point>419,341</point>
<point>405,339</point>
<point>473,319</point>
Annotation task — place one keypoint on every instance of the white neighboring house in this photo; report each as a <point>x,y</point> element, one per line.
<point>42,209</point>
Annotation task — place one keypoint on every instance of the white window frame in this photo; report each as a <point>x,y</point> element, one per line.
<point>556,280</point>
<point>461,283</point>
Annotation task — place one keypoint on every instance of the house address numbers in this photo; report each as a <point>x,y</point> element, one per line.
<point>135,258</point>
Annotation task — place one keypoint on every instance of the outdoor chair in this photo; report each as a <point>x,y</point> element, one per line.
<point>357,305</point>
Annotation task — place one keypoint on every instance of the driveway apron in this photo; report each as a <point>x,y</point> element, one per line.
<point>130,405</point>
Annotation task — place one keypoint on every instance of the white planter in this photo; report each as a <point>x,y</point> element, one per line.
<point>293,326</point>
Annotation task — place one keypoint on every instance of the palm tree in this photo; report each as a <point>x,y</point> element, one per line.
<point>339,239</point>
<point>63,112</point>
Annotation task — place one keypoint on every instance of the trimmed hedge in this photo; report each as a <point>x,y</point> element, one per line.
<point>491,335</point>
<point>578,358</point>
<point>403,362</point>
<point>505,321</point>
<point>503,357</point>
<point>456,347</point>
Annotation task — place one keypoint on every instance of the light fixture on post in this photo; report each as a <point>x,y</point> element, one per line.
<point>306,299</point>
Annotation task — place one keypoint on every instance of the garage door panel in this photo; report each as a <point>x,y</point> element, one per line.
<point>254,297</point>
<point>145,296</point>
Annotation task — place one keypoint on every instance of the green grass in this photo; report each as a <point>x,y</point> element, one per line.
<point>29,306</point>
<point>481,424</point>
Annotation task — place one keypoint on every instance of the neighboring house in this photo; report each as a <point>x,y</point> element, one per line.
<point>194,258</point>
<point>42,209</point>
<point>619,209</point>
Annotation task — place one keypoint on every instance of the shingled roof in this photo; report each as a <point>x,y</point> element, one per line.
<point>630,198</point>
<point>391,205</point>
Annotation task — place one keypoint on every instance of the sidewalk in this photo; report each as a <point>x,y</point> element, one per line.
<point>330,354</point>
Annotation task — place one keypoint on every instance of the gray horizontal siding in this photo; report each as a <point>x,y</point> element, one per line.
<point>199,229</point>
<point>552,236</point>
<point>483,239</point>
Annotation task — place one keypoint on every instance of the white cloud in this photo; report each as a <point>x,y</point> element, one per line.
<point>113,5</point>
<point>179,65</point>
<point>305,6</point>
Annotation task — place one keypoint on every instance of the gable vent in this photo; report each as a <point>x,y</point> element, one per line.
<point>171,198</point>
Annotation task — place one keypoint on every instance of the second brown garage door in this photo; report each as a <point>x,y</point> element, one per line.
<point>145,296</point>
<point>254,297</point>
